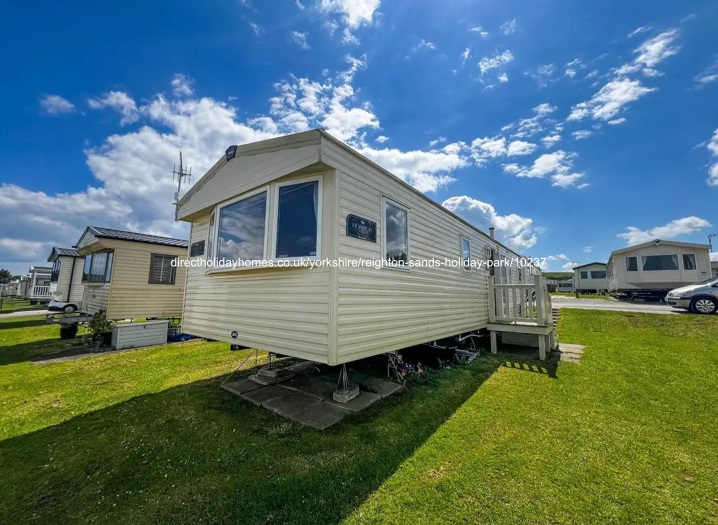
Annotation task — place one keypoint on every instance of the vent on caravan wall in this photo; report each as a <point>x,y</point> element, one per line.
<point>230,153</point>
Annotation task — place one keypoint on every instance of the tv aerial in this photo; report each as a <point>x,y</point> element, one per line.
<point>181,173</point>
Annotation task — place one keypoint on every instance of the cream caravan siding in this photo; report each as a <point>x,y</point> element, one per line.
<point>66,277</point>
<point>246,172</point>
<point>131,295</point>
<point>284,310</point>
<point>388,309</point>
<point>588,283</point>
<point>95,297</point>
<point>624,280</point>
<point>87,240</point>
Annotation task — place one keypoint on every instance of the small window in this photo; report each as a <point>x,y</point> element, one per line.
<point>241,229</point>
<point>584,275</point>
<point>55,275</point>
<point>655,263</point>
<point>162,270</point>
<point>98,268</point>
<point>689,261</point>
<point>396,234</point>
<point>297,220</point>
<point>631,264</point>
<point>466,253</point>
<point>599,274</point>
<point>210,238</point>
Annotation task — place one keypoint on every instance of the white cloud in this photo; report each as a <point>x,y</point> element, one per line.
<point>465,55</point>
<point>582,134</point>
<point>436,142</point>
<point>551,140</point>
<point>638,30</point>
<point>587,249</point>
<point>557,166</point>
<point>714,256</point>
<point>616,122</point>
<point>486,64</point>
<point>381,139</point>
<point>543,74</point>
<point>513,230</point>
<point>255,29</point>
<point>299,4</point>
<point>120,102</point>
<point>56,105</point>
<point>520,147</point>
<point>708,75</point>
<point>528,127</point>
<point>568,266</point>
<point>478,29</point>
<point>610,100</point>
<point>300,39</point>
<point>671,230</point>
<point>651,53</point>
<point>558,257</point>
<point>713,170</point>
<point>509,27</point>
<point>182,85</point>
<point>353,13</point>
<point>425,44</point>
<point>503,77</point>
<point>571,68</point>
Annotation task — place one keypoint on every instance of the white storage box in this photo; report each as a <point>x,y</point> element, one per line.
<point>133,335</point>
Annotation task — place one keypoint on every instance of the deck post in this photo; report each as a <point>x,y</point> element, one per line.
<point>543,339</point>
<point>492,300</point>
<point>541,314</point>
<point>494,345</point>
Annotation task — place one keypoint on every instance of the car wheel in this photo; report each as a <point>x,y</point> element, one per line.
<point>69,309</point>
<point>704,305</point>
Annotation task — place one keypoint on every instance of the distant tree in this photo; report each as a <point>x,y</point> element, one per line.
<point>5,276</point>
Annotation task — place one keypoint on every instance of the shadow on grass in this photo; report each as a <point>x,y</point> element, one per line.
<point>20,323</point>
<point>46,349</point>
<point>197,453</point>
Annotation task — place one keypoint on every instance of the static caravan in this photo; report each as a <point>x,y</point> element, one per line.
<point>301,246</point>
<point>38,287</point>
<point>66,286</point>
<point>656,267</point>
<point>714,268</point>
<point>17,287</point>
<point>590,278</point>
<point>131,275</point>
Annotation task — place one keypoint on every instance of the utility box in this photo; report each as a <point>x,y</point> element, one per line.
<point>134,335</point>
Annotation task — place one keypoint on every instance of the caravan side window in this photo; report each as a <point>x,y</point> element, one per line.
<point>466,253</point>
<point>55,275</point>
<point>162,271</point>
<point>631,264</point>
<point>395,241</point>
<point>689,261</point>
<point>242,227</point>
<point>98,268</point>
<point>298,213</point>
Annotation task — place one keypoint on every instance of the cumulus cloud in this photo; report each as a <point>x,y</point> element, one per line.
<point>182,85</point>
<point>56,105</point>
<point>582,134</point>
<point>671,230</point>
<point>556,166</point>
<point>120,102</point>
<point>300,39</point>
<point>353,14</point>
<point>713,170</point>
<point>513,230</point>
<point>486,148</point>
<point>651,53</point>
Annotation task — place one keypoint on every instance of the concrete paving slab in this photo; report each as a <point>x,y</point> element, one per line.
<point>306,368</point>
<point>320,415</point>
<point>299,381</point>
<point>290,403</point>
<point>263,393</point>
<point>320,389</point>
<point>360,402</point>
<point>570,352</point>
<point>240,387</point>
<point>380,386</point>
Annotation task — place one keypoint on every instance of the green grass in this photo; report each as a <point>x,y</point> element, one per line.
<point>584,295</point>
<point>12,305</point>
<point>629,435</point>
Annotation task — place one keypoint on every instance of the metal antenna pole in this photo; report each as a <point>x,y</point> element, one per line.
<point>710,239</point>
<point>181,174</point>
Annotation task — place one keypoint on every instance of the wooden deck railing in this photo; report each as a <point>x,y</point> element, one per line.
<point>520,303</point>
<point>40,292</point>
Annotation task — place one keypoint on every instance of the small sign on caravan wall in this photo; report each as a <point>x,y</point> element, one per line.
<point>361,228</point>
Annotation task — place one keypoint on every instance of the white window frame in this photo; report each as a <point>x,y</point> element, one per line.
<point>382,213</point>
<point>211,236</point>
<point>465,262</point>
<point>275,218</point>
<point>218,217</point>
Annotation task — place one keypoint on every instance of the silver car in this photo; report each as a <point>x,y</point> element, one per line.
<point>701,298</point>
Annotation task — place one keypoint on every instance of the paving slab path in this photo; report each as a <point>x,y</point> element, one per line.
<point>558,301</point>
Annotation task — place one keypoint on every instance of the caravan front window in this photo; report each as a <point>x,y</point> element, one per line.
<point>98,268</point>
<point>242,227</point>
<point>631,264</point>
<point>652,263</point>
<point>298,213</point>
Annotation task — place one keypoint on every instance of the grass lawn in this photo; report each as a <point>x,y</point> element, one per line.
<point>629,435</point>
<point>12,305</point>
<point>583,296</point>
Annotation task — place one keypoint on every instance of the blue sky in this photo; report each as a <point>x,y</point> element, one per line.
<point>574,128</point>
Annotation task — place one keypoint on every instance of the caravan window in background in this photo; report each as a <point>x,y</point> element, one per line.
<point>689,261</point>
<point>396,234</point>
<point>298,213</point>
<point>162,271</point>
<point>631,264</point>
<point>599,274</point>
<point>55,275</point>
<point>242,226</point>
<point>653,263</point>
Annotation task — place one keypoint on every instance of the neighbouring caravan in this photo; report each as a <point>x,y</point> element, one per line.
<point>653,268</point>
<point>66,286</point>
<point>590,278</point>
<point>17,287</point>
<point>131,275</point>
<point>714,268</point>
<point>38,287</point>
<point>278,205</point>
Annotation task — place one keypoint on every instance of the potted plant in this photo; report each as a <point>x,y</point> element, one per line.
<point>100,329</point>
